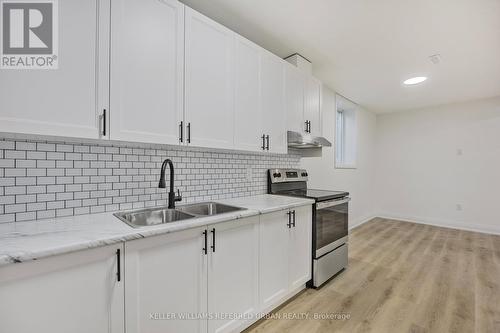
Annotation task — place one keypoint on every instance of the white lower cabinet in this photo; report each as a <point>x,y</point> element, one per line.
<point>300,238</point>
<point>77,292</point>
<point>285,254</point>
<point>273,258</point>
<point>233,273</point>
<point>209,279</point>
<point>221,275</point>
<point>166,278</point>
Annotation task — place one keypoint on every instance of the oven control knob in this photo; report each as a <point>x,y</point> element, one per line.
<point>304,174</point>
<point>277,175</point>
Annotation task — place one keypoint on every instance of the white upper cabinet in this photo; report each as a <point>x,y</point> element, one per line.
<point>147,66</point>
<point>233,267</point>
<point>312,105</point>
<point>248,116</point>
<point>166,274</point>
<point>303,100</point>
<point>273,102</point>
<point>209,88</point>
<point>69,100</point>
<point>294,92</point>
<point>259,99</point>
<point>77,292</point>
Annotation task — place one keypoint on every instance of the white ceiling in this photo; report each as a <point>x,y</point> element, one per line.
<point>364,49</point>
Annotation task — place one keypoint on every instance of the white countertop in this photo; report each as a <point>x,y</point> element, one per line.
<point>24,241</point>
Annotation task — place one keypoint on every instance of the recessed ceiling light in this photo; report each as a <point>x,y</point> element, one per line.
<point>415,80</point>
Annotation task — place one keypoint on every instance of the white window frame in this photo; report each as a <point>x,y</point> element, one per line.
<point>342,131</point>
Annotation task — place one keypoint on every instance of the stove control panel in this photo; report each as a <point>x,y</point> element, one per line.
<point>287,175</point>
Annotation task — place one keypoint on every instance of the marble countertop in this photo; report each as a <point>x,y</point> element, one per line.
<point>25,241</point>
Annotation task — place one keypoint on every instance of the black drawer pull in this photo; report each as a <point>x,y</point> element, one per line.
<point>213,240</point>
<point>205,249</point>
<point>118,265</point>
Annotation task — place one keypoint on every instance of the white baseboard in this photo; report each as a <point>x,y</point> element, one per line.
<point>485,229</point>
<point>360,221</point>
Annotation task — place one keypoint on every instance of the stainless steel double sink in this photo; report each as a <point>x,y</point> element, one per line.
<point>161,215</point>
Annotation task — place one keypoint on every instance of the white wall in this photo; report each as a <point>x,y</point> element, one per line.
<point>431,160</point>
<point>359,182</point>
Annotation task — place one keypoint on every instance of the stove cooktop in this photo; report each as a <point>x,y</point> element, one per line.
<point>318,195</point>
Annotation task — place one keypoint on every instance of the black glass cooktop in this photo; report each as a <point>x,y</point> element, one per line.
<point>318,195</point>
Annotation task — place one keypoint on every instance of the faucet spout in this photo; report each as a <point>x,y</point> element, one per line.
<point>172,198</point>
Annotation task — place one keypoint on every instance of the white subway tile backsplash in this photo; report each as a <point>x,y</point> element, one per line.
<point>25,164</point>
<point>26,180</point>
<point>25,145</point>
<point>36,155</point>
<point>43,179</point>
<point>28,216</point>
<point>7,199</point>
<point>7,145</point>
<point>64,212</point>
<point>5,163</point>
<point>15,190</point>
<point>45,214</point>
<point>7,218</point>
<point>45,147</point>
<point>36,206</point>
<point>15,208</point>
<point>14,154</point>
<point>64,148</point>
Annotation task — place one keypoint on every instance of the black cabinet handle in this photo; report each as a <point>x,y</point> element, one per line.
<point>267,142</point>
<point>213,240</point>
<point>293,214</point>
<point>118,265</point>
<point>263,142</point>
<point>181,132</point>
<point>189,133</point>
<point>205,234</point>
<point>307,126</point>
<point>104,122</point>
<point>289,224</point>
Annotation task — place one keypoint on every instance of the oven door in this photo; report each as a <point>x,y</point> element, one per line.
<point>330,225</point>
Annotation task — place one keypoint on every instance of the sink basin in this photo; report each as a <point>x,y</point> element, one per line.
<point>152,216</point>
<point>208,209</point>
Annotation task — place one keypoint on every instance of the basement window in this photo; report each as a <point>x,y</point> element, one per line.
<point>345,133</point>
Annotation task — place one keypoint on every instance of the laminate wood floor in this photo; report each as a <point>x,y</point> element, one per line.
<point>404,277</point>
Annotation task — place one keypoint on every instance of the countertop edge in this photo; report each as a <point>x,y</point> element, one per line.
<point>144,232</point>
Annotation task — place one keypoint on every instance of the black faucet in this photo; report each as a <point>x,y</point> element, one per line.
<point>172,198</point>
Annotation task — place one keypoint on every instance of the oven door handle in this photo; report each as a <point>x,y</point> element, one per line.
<point>331,203</point>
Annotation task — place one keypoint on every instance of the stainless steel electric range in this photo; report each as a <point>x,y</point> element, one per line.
<point>329,221</point>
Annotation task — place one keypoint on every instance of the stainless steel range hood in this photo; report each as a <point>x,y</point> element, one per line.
<point>304,140</point>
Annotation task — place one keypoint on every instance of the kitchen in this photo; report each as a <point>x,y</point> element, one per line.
<point>229,166</point>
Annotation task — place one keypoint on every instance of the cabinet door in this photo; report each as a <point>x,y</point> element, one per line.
<point>273,259</point>
<point>147,50</point>
<point>300,248</point>
<point>209,90</point>
<point>294,92</point>
<point>77,293</point>
<point>273,102</point>
<point>312,107</point>
<point>66,101</point>
<point>233,272</point>
<point>166,275</point>
<point>248,128</point>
